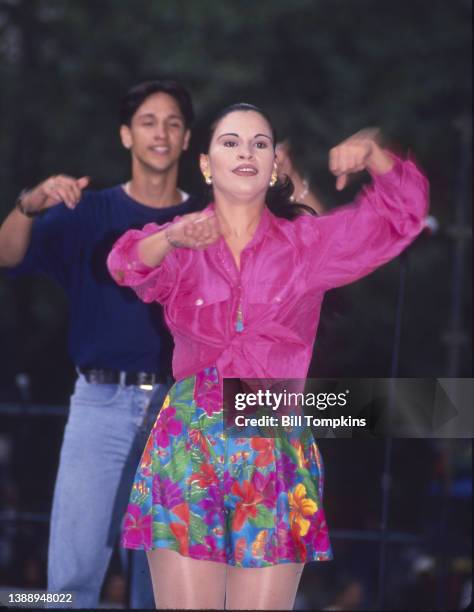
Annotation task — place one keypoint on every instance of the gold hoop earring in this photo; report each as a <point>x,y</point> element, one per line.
<point>207,178</point>
<point>273,179</point>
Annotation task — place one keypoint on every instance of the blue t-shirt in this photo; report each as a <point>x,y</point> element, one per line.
<point>109,326</point>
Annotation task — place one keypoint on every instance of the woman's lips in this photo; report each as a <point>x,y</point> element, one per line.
<point>245,170</point>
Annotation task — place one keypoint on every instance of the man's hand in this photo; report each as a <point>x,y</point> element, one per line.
<point>361,151</point>
<point>52,191</point>
<point>194,231</point>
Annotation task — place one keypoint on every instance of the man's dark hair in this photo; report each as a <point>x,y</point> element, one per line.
<point>135,97</point>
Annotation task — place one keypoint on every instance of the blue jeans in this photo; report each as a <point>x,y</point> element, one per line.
<point>105,435</point>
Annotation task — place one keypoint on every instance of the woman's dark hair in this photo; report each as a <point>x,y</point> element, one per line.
<point>135,97</point>
<point>278,198</point>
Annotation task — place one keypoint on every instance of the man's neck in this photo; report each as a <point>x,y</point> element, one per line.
<point>157,191</point>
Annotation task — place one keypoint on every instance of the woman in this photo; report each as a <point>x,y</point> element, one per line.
<point>303,191</point>
<point>242,290</point>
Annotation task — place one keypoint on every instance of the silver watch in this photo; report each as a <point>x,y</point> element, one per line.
<point>19,204</point>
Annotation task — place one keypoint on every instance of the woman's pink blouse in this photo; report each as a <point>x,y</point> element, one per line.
<point>284,272</point>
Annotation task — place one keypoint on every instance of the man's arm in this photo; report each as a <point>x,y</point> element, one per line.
<point>15,235</point>
<point>15,231</point>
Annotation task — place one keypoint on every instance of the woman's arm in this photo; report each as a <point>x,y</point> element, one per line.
<point>387,215</point>
<point>359,152</point>
<point>192,231</point>
<point>148,260</point>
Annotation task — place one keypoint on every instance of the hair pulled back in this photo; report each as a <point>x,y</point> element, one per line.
<point>278,197</point>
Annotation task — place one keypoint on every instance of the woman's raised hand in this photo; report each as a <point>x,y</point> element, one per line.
<point>194,231</point>
<point>361,151</point>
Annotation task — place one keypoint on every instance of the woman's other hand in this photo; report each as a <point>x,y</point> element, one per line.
<point>194,231</point>
<point>361,151</point>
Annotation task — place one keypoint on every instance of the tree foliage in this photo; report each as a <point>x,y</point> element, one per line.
<point>321,68</point>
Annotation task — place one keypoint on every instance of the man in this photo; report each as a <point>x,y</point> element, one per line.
<point>116,341</point>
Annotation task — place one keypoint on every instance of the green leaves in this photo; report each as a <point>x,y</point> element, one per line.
<point>309,484</point>
<point>195,493</point>
<point>206,421</point>
<point>162,531</point>
<point>403,67</point>
<point>176,468</point>
<point>264,518</point>
<point>197,528</point>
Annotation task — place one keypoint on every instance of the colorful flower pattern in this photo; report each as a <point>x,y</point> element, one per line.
<point>248,502</point>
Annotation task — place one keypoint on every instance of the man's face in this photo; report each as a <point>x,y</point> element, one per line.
<point>157,134</point>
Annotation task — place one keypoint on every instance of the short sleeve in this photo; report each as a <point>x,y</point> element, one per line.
<point>53,243</point>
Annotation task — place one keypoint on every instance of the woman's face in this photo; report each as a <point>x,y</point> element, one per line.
<point>241,156</point>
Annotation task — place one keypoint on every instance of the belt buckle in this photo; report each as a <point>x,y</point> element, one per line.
<point>146,381</point>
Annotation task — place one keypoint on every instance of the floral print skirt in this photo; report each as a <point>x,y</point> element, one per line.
<point>247,502</point>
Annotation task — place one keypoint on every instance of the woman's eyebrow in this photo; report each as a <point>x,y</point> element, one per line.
<point>228,134</point>
<point>236,135</point>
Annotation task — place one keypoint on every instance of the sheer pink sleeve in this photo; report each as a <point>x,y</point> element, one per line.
<point>353,240</point>
<point>126,268</point>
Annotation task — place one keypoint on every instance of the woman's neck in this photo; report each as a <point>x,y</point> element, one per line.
<point>238,220</point>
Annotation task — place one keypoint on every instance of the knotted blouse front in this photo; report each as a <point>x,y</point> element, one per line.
<point>261,321</point>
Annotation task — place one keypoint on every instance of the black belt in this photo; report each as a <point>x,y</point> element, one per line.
<point>114,377</point>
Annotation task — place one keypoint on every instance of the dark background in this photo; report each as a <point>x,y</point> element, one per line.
<point>322,69</point>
